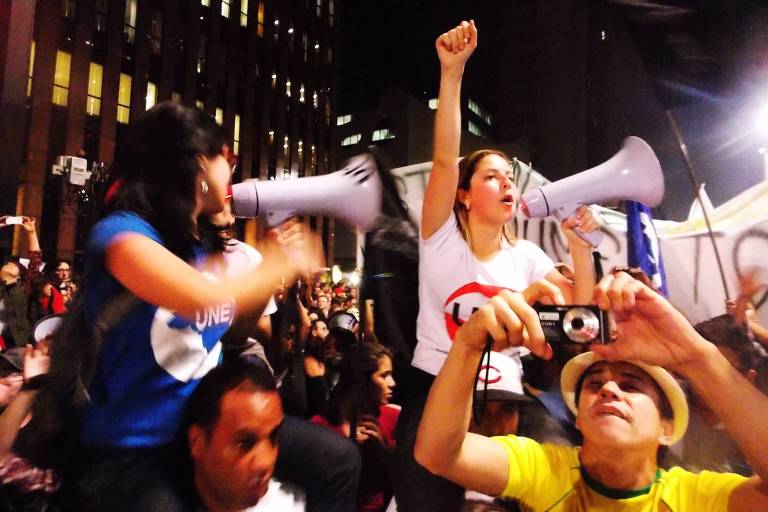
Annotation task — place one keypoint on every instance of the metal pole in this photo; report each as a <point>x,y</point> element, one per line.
<point>696,190</point>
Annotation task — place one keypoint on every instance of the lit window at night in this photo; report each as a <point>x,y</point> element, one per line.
<point>68,8</point>
<point>330,12</point>
<point>206,3</point>
<point>383,134</point>
<point>260,20</point>
<point>473,128</point>
<point>219,116</point>
<point>201,51</point>
<point>319,8</point>
<point>288,88</point>
<point>352,139</point>
<point>151,98</point>
<point>130,21</point>
<point>30,68</point>
<point>100,15</point>
<point>301,93</point>
<point>286,144</point>
<point>236,136</point>
<point>342,120</point>
<point>433,103</point>
<point>199,104</point>
<point>274,80</point>
<point>61,78</point>
<point>156,31</point>
<point>482,114</point>
<point>243,13</point>
<point>225,8</point>
<point>314,99</point>
<point>124,99</point>
<point>93,101</point>
<point>176,97</point>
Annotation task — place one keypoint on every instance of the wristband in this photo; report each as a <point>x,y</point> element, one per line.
<point>35,383</point>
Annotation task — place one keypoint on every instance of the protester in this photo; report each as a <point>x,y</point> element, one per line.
<point>14,324</point>
<point>359,409</point>
<point>232,425</point>
<point>467,254</point>
<point>62,271</point>
<point>627,407</point>
<point>148,250</point>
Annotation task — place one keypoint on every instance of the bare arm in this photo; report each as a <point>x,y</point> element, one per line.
<point>443,445</point>
<point>156,275</point>
<point>453,49</point>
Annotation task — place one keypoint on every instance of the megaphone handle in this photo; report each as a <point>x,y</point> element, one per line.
<point>594,238</point>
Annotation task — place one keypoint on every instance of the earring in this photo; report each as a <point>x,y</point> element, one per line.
<point>466,205</point>
<point>204,187</point>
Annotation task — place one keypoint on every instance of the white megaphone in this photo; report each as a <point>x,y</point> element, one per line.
<point>352,194</point>
<point>633,173</point>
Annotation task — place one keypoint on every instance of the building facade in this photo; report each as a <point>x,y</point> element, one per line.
<point>75,72</point>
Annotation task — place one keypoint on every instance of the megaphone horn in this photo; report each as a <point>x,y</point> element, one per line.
<point>633,174</point>
<point>352,194</point>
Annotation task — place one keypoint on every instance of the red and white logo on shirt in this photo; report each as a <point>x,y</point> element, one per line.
<point>463,302</point>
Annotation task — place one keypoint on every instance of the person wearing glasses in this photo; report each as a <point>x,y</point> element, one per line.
<point>67,286</point>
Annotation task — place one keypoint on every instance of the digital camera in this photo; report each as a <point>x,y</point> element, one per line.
<point>573,323</point>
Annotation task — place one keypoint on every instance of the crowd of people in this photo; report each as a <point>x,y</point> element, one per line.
<point>190,371</point>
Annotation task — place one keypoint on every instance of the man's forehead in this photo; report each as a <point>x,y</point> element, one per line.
<point>244,405</point>
<point>616,368</point>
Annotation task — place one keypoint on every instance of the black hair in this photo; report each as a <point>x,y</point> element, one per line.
<point>204,405</point>
<point>157,167</point>
<point>355,394</point>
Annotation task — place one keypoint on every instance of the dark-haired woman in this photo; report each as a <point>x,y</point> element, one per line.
<point>172,169</point>
<point>360,401</point>
<point>467,255</point>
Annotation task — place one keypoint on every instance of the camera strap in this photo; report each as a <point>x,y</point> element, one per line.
<point>478,406</point>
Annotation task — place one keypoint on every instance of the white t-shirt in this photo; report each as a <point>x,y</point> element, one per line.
<point>280,497</point>
<point>453,284</point>
<point>241,258</point>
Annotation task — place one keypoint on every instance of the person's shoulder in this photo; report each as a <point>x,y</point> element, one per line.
<point>118,223</point>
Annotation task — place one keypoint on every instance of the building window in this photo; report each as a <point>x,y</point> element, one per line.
<point>205,3</point>
<point>93,101</point>
<point>301,93</point>
<point>342,120</point>
<point>473,128</point>
<point>271,136</point>
<point>30,68</point>
<point>288,88</point>
<point>305,42</point>
<point>225,8</point>
<point>199,104</point>
<point>124,99</point>
<point>129,29</point>
<point>482,114</point>
<point>314,99</point>
<point>319,8</point>
<point>243,13</point>
<point>286,145</point>
<point>383,134</point>
<point>219,116</point>
<point>202,48</point>
<point>61,78</point>
<point>330,12</point>
<point>236,136</point>
<point>433,103</point>
<point>260,20</point>
<point>176,97</point>
<point>352,139</point>
<point>100,15</point>
<point>151,98</point>
<point>68,8</point>
<point>156,31</point>
<point>274,80</point>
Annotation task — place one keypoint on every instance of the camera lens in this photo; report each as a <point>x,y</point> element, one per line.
<point>581,325</point>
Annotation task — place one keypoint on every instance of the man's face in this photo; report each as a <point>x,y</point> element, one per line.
<point>501,417</point>
<point>620,406</point>
<point>322,302</point>
<point>235,461</point>
<point>9,273</point>
<point>320,330</point>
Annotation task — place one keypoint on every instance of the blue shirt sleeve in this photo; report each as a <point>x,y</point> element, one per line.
<point>111,227</point>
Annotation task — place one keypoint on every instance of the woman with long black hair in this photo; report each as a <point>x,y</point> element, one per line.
<point>171,170</point>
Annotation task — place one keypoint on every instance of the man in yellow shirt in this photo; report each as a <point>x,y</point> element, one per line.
<point>626,407</point>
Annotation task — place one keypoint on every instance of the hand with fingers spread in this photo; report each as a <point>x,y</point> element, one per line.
<point>648,328</point>
<point>455,46</point>
<point>300,245</point>
<point>583,220</point>
<point>510,320</point>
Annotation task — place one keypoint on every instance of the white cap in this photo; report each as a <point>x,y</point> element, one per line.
<point>504,379</point>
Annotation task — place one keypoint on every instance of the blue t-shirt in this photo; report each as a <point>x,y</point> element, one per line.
<point>152,361</point>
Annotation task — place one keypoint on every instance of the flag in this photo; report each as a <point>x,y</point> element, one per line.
<point>643,245</point>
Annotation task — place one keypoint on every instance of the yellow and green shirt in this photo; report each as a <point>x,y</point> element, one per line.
<point>549,478</point>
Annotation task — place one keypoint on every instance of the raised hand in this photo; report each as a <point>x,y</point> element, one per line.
<point>510,320</point>
<point>648,328</point>
<point>455,46</point>
<point>583,220</point>
<point>302,247</point>
<point>36,361</point>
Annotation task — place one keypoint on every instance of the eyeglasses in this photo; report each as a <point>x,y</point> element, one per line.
<point>62,270</point>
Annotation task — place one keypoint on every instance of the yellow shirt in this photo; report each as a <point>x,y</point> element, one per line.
<point>545,477</point>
